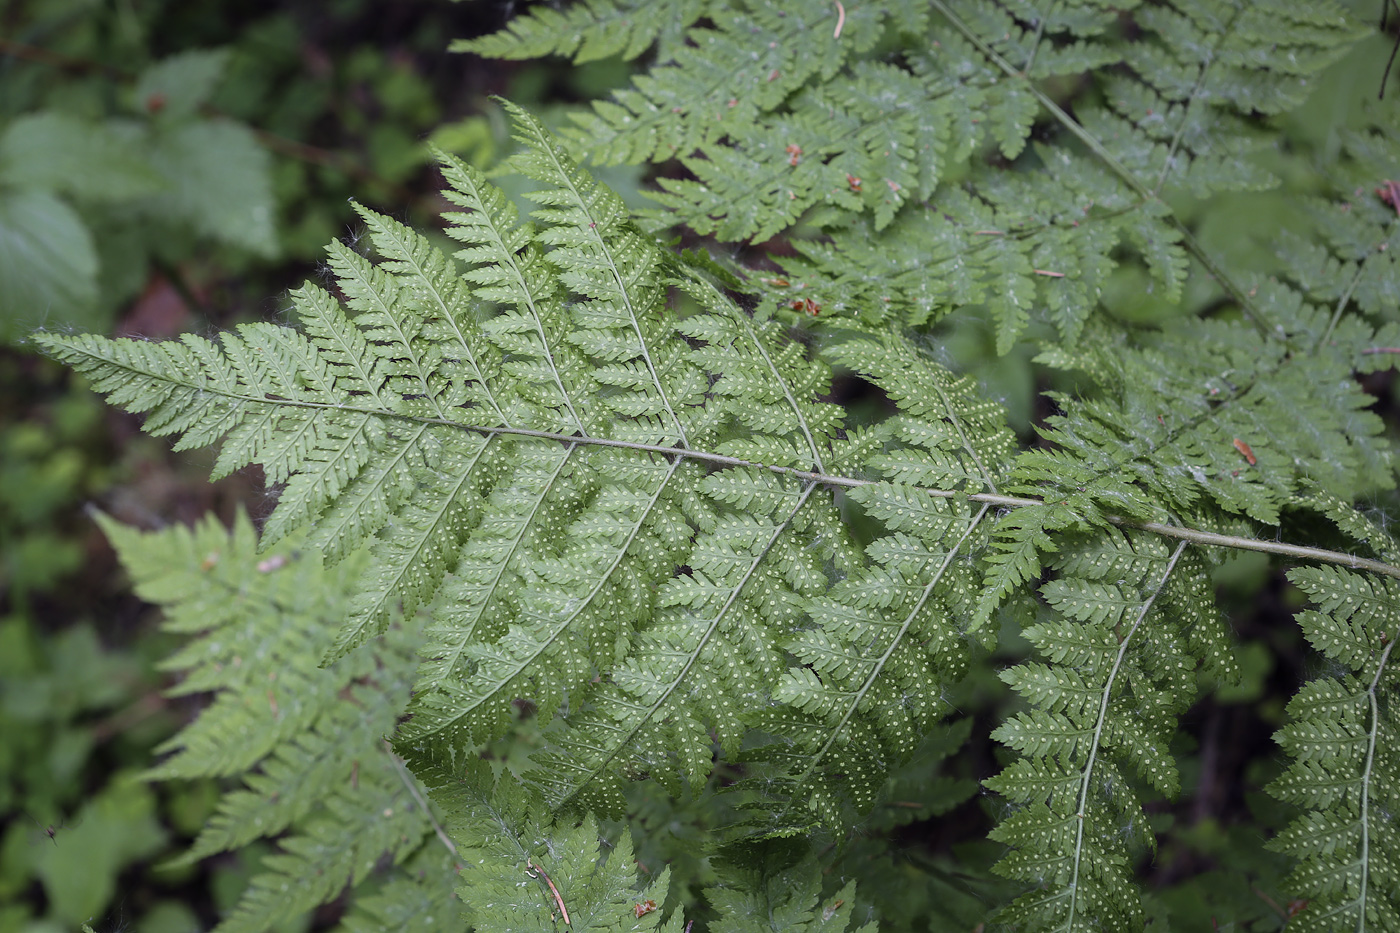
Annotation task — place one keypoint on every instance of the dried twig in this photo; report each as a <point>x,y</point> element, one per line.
<point>563,911</point>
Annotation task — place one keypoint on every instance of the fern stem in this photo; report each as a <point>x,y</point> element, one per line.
<point>412,785</point>
<point>787,388</point>
<point>1217,271</point>
<point>1181,125</point>
<point>1366,783</point>
<point>1195,536</point>
<point>1180,532</point>
<point>1341,305</point>
<point>565,179</point>
<point>1213,539</point>
<point>1098,728</point>
<point>1039,34</point>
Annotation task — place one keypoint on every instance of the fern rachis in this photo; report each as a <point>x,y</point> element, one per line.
<point>640,517</point>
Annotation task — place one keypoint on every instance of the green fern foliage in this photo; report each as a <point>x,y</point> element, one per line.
<point>587,483</point>
<point>577,524</point>
<point>590,31</point>
<point>306,742</point>
<point>790,900</point>
<point>1343,737</point>
<point>1118,672</point>
<point>806,132</point>
<point>521,870</point>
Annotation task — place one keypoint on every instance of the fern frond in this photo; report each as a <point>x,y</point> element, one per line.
<point>1355,224</point>
<point>522,870</point>
<point>715,83</point>
<point>1213,419</point>
<point>710,654</point>
<point>762,156</point>
<point>786,901</point>
<point>883,644</point>
<point>593,486</point>
<point>216,591</point>
<point>420,900</point>
<point>950,438</point>
<point>600,256</point>
<point>1103,712</point>
<point>591,30</point>
<point>538,470</point>
<point>1010,242</point>
<point>1343,738</point>
<point>307,742</point>
<point>365,458</point>
<point>1246,388</point>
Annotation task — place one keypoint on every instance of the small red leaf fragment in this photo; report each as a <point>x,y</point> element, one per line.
<point>155,103</point>
<point>773,75</point>
<point>1390,194</point>
<point>794,152</point>
<point>644,908</point>
<point>854,182</point>
<point>1243,448</point>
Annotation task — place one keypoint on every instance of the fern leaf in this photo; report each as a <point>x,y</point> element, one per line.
<point>306,742</point>
<point>524,871</point>
<point>1343,737</point>
<point>599,258</point>
<point>590,30</point>
<point>417,901</point>
<point>787,900</point>
<point>716,83</point>
<point>964,438</point>
<point>875,665</point>
<point>707,656</point>
<point>267,397</point>
<point>1119,675</point>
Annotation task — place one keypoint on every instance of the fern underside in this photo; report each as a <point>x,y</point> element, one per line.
<point>578,471</point>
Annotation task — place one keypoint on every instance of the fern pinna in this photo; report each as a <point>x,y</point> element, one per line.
<point>581,473</point>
